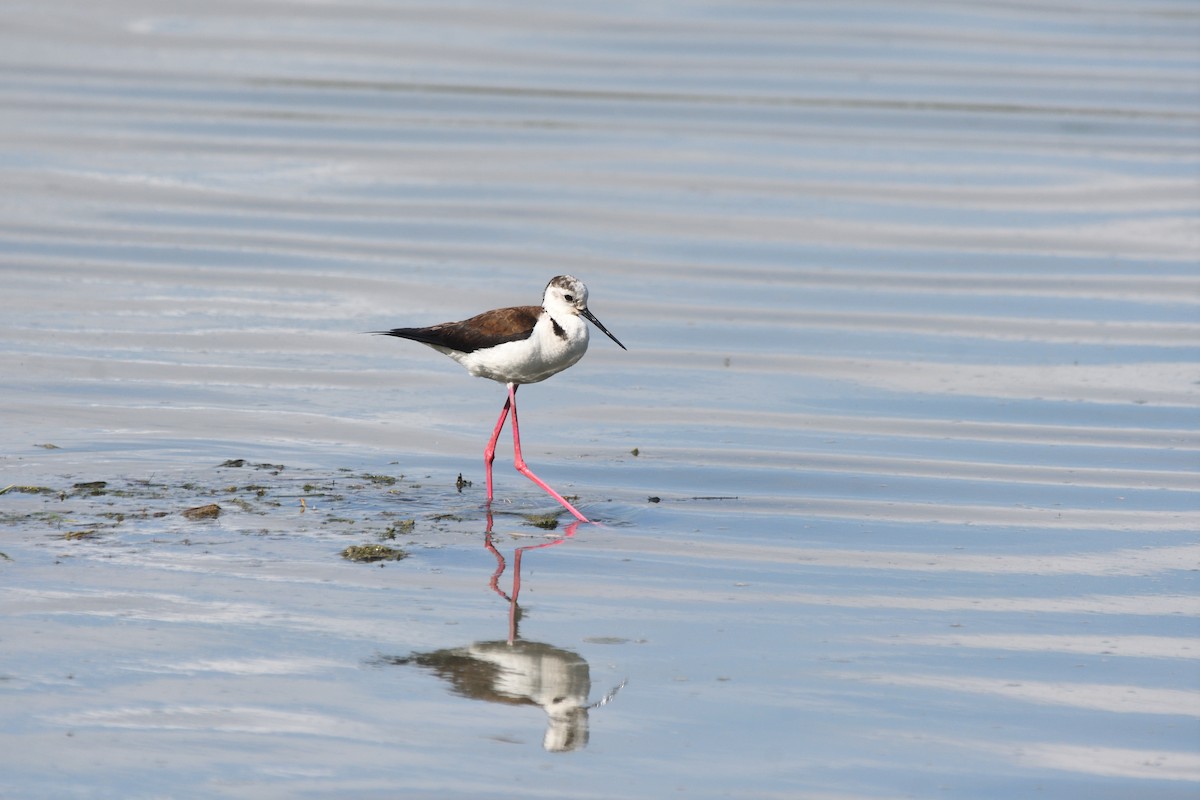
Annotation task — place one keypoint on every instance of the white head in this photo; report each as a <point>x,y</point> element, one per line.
<point>566,294</point>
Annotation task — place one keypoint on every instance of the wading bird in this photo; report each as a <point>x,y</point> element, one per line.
<point>515,346</point>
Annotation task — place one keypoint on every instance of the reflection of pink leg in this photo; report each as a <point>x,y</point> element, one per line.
<point>489,452</point>
<point>494,583</point>
<point>487,542</point>
<point>512,606</point>
<point>568,532</point>
<point>519,462</point>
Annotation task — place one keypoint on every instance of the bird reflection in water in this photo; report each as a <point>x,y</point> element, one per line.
<point>516,671</point>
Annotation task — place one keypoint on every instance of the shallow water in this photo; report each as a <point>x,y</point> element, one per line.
<point>911,301</point>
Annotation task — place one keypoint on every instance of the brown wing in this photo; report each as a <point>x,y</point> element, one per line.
<point>485,330</point>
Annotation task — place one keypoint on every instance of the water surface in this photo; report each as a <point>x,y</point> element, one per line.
<point>897,481</point>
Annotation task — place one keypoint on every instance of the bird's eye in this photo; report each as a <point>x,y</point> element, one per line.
<point>570,298</point>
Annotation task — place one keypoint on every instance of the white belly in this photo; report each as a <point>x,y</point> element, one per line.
<point>543,354</point>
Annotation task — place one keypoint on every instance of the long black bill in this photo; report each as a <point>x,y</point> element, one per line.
<point>592,318</point>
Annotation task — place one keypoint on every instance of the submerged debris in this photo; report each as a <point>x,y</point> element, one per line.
<point>373,552</point>
<point>69,535</point>
<point>210,511</point>
<point>28,489</point>
<point>384,509</point>
<point>234,463</point>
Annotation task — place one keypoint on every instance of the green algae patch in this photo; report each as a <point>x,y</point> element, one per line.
<point>373,552</point>
<point>380,480</point>
<point>400,526</point>
<point>544,521</point>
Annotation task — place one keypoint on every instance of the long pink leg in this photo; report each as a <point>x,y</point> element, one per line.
<point>489,452</point>
<point>519,462</point>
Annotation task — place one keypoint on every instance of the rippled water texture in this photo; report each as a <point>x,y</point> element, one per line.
<point>898,479</point>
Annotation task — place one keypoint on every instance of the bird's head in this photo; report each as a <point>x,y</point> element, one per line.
<point>566,294</point>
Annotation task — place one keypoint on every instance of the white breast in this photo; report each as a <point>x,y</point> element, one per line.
<point>543,354</point>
